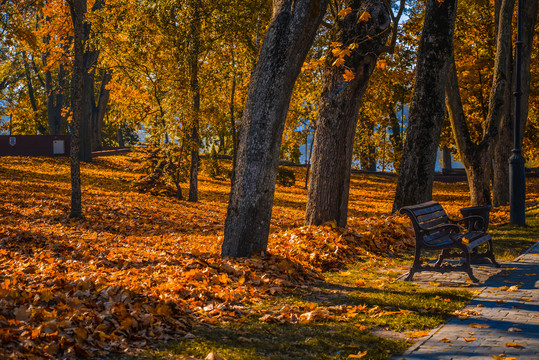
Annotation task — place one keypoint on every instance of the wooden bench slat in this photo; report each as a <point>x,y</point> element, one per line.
<point>433,215</point>
<point>435,222</point>
<point>427,210</point>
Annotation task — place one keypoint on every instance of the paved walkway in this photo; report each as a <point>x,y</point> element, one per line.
<point>502,321</point>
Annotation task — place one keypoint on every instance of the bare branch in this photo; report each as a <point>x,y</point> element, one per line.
<point>395,19</point>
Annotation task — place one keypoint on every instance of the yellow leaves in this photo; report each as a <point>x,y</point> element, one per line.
<point>479,326</point>
<point>514,345</point>
<point>381,64</point>
<point>503,357</point>
<point>365,16</point>
<point>417,334</point>
<point>348,75</point>
<point>510,289</point>
<point>339,61</point>
<point>469,339</point>
<point>442,299</point>
<point>359,355</point>
<point>345,12</point>
<point>223,278</point>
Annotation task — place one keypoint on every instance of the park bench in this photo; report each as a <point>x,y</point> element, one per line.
<point>434,230</point>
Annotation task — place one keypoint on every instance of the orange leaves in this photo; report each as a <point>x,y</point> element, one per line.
<point>345,12</point>
<point>365,16</point>
<point>142,268</point>
<point>348,75</point>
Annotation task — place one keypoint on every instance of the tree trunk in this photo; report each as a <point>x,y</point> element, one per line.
<point>396,139</point>
<point>446,158</point>
<point>77,8</point>
<point>87,111</point>
<point>477,157</point>
<point>195,92</point>
<point>99,111</point>
<point>89,107</point>
<point>504,144</point>
<point>427,112</point>
<point>329,182</point>
<point>29,82</point>
<point>286,43</point>
<point>233,125</point>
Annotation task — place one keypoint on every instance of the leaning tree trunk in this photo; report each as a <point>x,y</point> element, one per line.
<point>77,14</point>
<point>286,43</point>
<point>329,182</point>
<point>477,157</point>
<point>427,111</point>
<point>504,144</point>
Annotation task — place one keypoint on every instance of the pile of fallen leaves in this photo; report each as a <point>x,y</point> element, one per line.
<point>328,247</point>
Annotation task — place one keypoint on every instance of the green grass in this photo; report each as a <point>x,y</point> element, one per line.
<point>511,240</point>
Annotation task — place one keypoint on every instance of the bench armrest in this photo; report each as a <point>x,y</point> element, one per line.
<point>476,221</point>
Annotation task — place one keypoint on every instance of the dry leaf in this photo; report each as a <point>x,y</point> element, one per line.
<point>479,326</point>
<point>515,345</point>
<point>359,355</point>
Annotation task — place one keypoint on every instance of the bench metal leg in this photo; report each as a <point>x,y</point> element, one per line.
<point>490,254</point>
<point>468,266</point>
<point>416,265</point>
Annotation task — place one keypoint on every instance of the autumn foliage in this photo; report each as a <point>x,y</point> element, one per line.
<point>140,268</point>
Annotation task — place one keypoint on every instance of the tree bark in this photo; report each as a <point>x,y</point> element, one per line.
<point>29,82</point>
<point>89,107</point>
<point>416,176</point>
<point>504,144</point>
<point>329,182</point>
<point>289,36</point>
<point>99,111</point>
<point>477,157</point>
<point>446,158</point>
<point>77,9</point>
<point>195,93</point>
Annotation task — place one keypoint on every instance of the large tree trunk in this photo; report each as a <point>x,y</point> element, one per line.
<point>195,93</point>
<point>504,144</point>
<point>477,157</point>
<point>287,41</point>
<point>427,109</point>
<point>329,182</point>
<point>77,8</point>
<point>89,107</point>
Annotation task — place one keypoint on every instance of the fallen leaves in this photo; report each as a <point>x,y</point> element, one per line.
<point>514,345</point>
<point>139,269</point>
<point>479,326</point>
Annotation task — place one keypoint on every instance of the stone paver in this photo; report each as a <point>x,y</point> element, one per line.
<point>506,320</point>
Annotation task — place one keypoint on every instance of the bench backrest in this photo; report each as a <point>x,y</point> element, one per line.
<point>425,216</point>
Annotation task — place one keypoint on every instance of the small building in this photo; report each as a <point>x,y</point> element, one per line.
<point>35,145</point>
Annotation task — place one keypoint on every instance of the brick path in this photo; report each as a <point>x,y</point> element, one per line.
<point>506,320</point>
